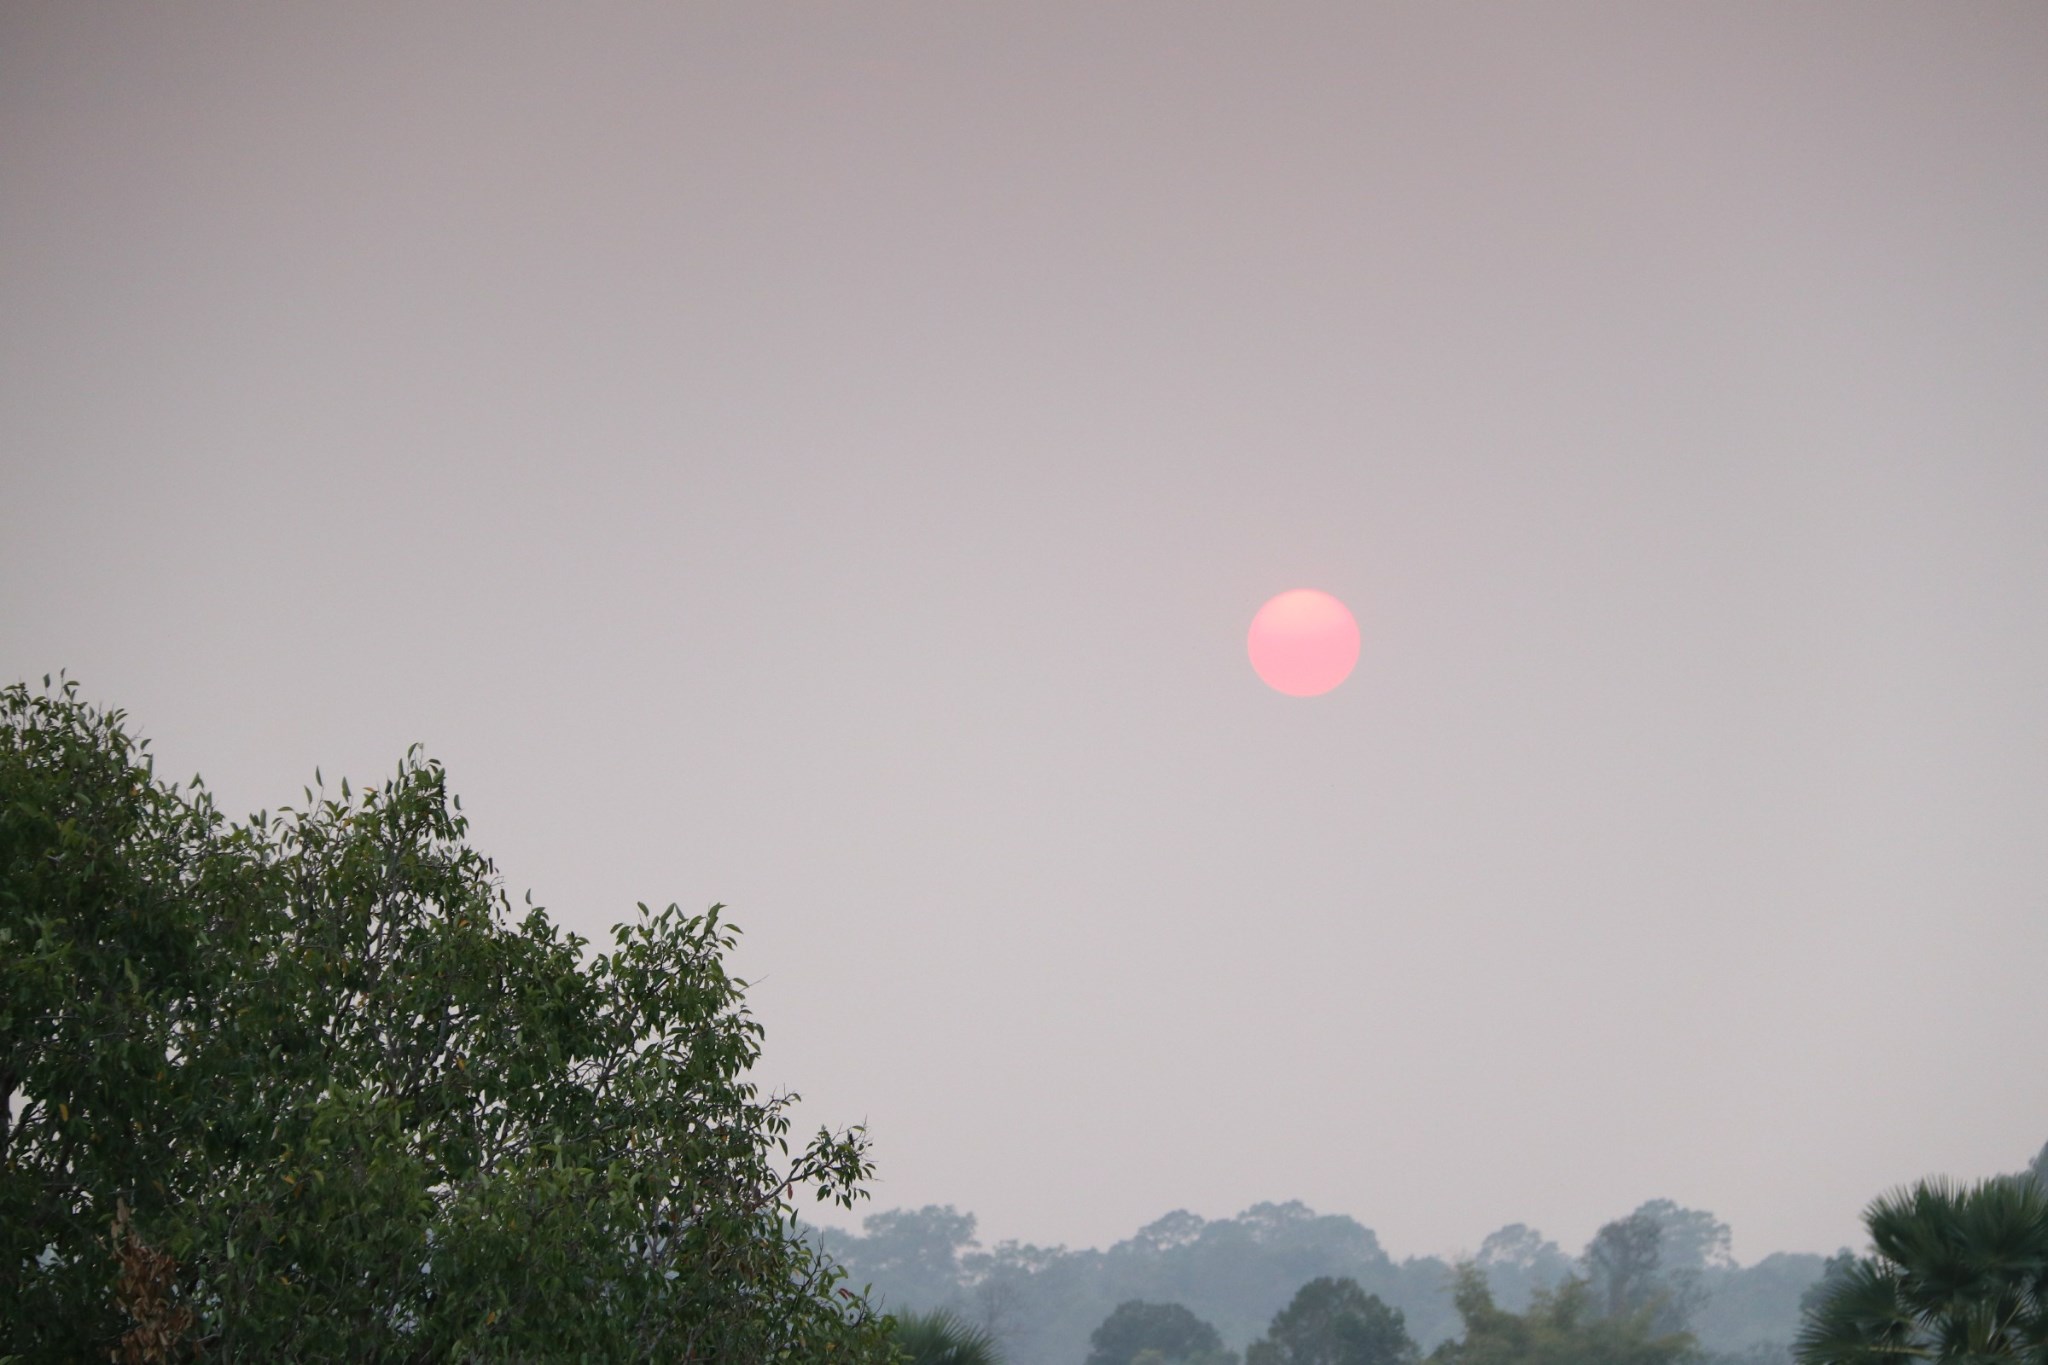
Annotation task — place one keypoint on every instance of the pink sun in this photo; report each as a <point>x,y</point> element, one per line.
<point>1303,642</point>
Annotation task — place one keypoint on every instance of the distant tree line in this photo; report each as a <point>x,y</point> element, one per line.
<point>1956,1274</point>
<point>1664,1270</point>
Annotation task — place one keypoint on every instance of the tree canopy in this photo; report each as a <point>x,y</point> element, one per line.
<point>1043,1303</point>
<point>305,1088</point>
<point>1958,1274</point>
<point>1334,1322</point>
<point>1651,1263</point>
<point>1562,1327</point>
<point>940,1338</point>
<point>1164,1332</point>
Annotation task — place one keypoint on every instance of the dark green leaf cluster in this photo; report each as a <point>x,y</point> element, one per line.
<point>1959,1274</point>
<point>304,1088</point>
<point>940,1338</point>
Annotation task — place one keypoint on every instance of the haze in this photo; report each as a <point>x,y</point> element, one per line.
<point>825,458</point>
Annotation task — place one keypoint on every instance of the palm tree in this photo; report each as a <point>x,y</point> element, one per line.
<point>939,1338</point>
<point>1960,1277</point>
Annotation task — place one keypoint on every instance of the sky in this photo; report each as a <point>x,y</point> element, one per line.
<point>825,459</point>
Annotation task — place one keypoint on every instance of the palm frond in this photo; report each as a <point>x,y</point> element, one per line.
<point>940,1338</point>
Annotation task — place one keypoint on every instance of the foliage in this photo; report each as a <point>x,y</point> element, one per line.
<point>1164,1332</point>
<point>303,1088</point>
<point>1562,1327</point>
<point>1959,1274</point>
<point>1689,1239</point>
<point>916,1251</point>
<point>1664,1261</point>
<point>942,1339</point>
<point>1837,1269</point>
<point>1518,1261</point>
<point>1751,1314</point>
<point>1621,1264</point>
<point>1334,1322</point>
<point>1043,1303</point>
<point>1626,1272</point>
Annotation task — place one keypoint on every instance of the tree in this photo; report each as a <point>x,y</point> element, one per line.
<point>1334,1322</point>
<point>303,1088</point>
<point>939,1338</point>
<point>1167,1332</point>
<point>1562,1327</point>
<point>1836,1269</point>
<point>1622,1262</point>
<point>1959,1274</point>
<point>911,1255</point>
<point>1518,1261</point>
<point>1628,1270</point>
<point>2037,1170</point>
<point>1689,1239</point>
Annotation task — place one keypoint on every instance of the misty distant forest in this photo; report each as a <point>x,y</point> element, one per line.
<point>1041,1304</point>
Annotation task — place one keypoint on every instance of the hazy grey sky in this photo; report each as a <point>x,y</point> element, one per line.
<point>825,458</point>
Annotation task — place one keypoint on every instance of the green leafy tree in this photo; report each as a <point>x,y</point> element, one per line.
<point>1833,1271</point>
<point>1959,1274</point>
<point>1562,1327</point>
<point>1334,1322</point>
<point>304,1088</point>
<point>939,1338</point>
<point>1164,1332</point>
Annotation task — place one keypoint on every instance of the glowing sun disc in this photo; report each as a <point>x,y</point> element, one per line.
<point>1303,643</point>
